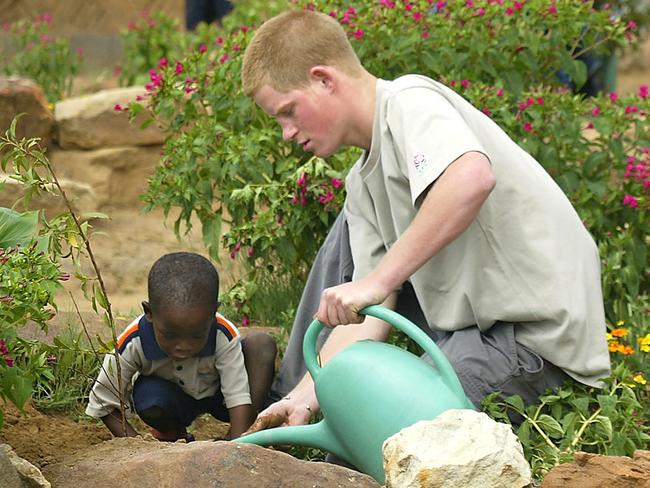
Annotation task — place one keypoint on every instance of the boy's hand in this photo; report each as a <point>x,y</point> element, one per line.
<point>282,413</point>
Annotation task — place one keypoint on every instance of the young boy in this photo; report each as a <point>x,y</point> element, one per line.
<point>185,357</point>
<point>444,211</point>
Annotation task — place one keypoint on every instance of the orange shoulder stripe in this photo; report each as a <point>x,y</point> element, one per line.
<point>221,320</point>
<point>127,332</point>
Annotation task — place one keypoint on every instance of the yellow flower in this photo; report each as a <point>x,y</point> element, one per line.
<point>620,322</point>
<point>609,337</point>
<point>619,332</point>
<point>640,379</point>
<point>613,346</point>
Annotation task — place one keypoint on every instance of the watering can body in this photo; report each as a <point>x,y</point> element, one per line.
<point>368,392</point>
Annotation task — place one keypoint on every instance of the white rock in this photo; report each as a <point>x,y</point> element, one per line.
<point>91,121</point>
<point>460,448</point>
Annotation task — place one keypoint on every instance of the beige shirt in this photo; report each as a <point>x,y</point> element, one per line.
<point>527,258</point>
<point>219,365</point>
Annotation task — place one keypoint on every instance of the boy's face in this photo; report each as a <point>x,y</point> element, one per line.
<point>180,332</point>
<point>306,116</point>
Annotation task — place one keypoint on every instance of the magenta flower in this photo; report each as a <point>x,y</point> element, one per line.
<point>250,252</point>
<point>424,35</point>
<point>117,107</point>
<point>243,28</point>
<point>358,34</point>
<point>218,41</point>
<point>613,96</point>
<point>10,361</point>
<point>162,63</point>
<point>328,197</point>
<point>528,127</point>
<point>346,18</point>
<point>595,111</point>
<point>245,322</point>
<point>518,5</point>
<point>179,68</point>
<point>203,48</point>
<point>237,246</point>
<point>387,3</point>
<point>302,180</point>
<point>223,58</point>
<point>480,12</point>
<point>464,83</point>
<point>500,92</point>
<point>441,5</point>
<point>630,109</point>
<point>540,100</point>
<point>417,16</point>
<point>351,11</point>
<point>630,201</point>
<point>3,347</point>
<point>643,91</point>
<point>631,25</point>
<point>552,9</point>
<point>294,200</point>
<point>509,11</point>
<point>336,183</point>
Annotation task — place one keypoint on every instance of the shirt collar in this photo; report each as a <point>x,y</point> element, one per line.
<point>152,350</point>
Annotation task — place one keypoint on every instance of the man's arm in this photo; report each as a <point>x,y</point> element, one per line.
<point>298,406</point>
<point>449,207</point>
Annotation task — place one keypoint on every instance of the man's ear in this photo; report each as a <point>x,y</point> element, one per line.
<point>147,310</point>
<point>325,76</point>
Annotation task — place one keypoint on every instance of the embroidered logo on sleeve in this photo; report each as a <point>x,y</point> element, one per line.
<point>420,162</point>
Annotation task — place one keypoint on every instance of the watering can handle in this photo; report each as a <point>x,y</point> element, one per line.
<point>396,320</point>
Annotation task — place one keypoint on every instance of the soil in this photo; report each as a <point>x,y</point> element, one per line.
<point>131,243</point>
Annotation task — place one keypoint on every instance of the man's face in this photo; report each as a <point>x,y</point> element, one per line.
<point>306,116</point>
<point>181,332</point>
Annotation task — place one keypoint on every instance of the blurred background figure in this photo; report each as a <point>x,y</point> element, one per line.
<point>207,11</point>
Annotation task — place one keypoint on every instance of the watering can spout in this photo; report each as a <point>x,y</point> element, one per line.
<point>316,435</point>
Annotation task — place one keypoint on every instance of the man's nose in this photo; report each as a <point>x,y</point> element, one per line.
<point>288,132</point>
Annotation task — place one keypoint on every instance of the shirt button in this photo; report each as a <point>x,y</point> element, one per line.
<point>178,368</point>
<point>181,382</point>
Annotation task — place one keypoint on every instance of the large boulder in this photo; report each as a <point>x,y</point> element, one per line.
<point>596,471</point>
<point>137,463</point>
<point>118,175</point>
<point>91,121</point>
<point>458,448</point>
<point>22,95</point>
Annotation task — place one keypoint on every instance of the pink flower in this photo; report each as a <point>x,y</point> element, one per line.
<point>408,7</point>
<point>387,3</point>
<point>464,83</point>
<point>643,91</point>
<point>540,100</point>
<point>328,197</point>
<point>117,107</point>
<point>336,183</point>
<point>528,127</point>
<point>139,98</point>
<point>162,63</point>
<point>243,28</point>
<point>80,51</point>
<point>552,9</point>
<point>417,16</point>
<point>237,246</point>
<point>500,92</point>
<point>223,58</point>
<point>10,361</point>
<point>245,322</point>
<point>630,201</point>
<point>486,111</point>
<point>358,34</point>
<point>294,200</point>
<point>203,48</point>
<point>424,35</point>
<point>3,347</point>
<point>509,11</point>
<point>631,25</point>
<point>302,180</point>
<point>480,12</point>
<point>589,126</point>
<point>441,5</point>
<point>346,18</point>
<point>469,3</point>
<point>351,11</point>
<point>518,5</point>
<point>46,18</point>
<point>218,41</point>
<point>613,96</point>
<point>179,68</point>
<point>595,111</point>
<point>250,252</point>
<point>630,109</point>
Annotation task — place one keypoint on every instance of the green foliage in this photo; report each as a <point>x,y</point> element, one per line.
<point>34,52</point>
<point>576,418</point>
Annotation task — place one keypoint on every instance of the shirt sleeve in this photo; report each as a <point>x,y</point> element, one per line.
<point>103,398</point>
<point>428,135</point>
<point>232,372</point>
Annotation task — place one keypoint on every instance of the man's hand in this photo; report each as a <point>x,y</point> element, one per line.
<point>282,413</point>
<point>340,305</point>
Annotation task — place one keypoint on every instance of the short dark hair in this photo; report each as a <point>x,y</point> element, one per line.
<point>183,279</point>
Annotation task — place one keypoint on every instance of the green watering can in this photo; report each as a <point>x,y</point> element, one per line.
<point>368,392</point>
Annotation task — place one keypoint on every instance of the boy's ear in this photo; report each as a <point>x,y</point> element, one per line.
<point>147,310</point>
<point>324,75</point>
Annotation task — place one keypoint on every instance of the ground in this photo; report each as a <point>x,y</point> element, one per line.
<point>133,241</point>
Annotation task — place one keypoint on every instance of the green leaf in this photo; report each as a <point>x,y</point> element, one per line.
<point>516,402</point>
<point>17,228</point>
<point>16,386</point>
<point>551,426</point>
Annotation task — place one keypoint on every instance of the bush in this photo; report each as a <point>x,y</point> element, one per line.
<point>35,53</point>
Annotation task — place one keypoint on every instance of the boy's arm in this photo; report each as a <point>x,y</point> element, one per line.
<point>449,207</point>
<point>113,422</point>
<point>241,418</point>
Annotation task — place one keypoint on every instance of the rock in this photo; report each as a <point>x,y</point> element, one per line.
<point>82,197</point>
<point>18,95</point>
<point>91,121</point>
<point>136,463</point>
<point>596,471</point>
<point>118,175</point>
<point>458,448</point>
<point>16,472</point>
